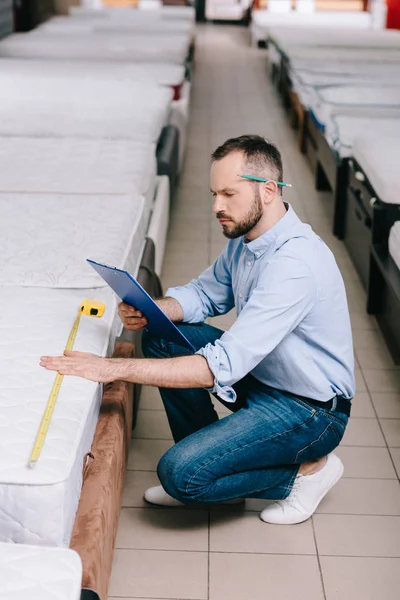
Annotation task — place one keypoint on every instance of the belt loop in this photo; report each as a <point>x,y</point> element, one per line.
<point>334,404</point>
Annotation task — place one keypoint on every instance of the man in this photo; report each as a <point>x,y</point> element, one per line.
<point>285,368</point>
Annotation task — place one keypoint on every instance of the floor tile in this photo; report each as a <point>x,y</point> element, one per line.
<point>363,497</point>
<point>150,398</point>
<point>354,535</point>
<point>366,463</point>
<point>361,406</point>
<point>257,577</point>
<point>352,578</point>
<point>374,358</point>
<point>232,532</point>
<point>367,338</point>
<point>391,431</point>
<point>158,574</point>
<point>395,452</point>
<point>136,483</point>
<point>163,529</point>
<point>152,424</point>
<point>382,380</point>
<point>360,381</point>
<point>145,454</point>
<point>363,432</point>
<point>387,406</point>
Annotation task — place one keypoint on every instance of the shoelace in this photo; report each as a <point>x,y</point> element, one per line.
<point>291,499</point>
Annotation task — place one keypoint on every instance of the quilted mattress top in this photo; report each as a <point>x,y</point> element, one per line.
<point>118,13</point>
<point>45,239</point>
<point>379,159</point>
<point>341,130</point>
<point>292,19</point>
<point>291,40</point>
<point>74,165</point>
<point>112,47</point>
<point>161,73</point>
<point>37,322</point>
<point>59,107</point>
<point>39,573</point>
<point>143,24</point>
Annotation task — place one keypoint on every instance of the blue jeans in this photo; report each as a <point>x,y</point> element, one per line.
<point>255,452</point>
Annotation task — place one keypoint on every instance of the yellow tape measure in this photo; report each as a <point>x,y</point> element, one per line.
<point>92,308</point>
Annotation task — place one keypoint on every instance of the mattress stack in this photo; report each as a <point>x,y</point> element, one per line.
<point>341,73</point>
<point>92,134</point>
<point>342,89</point>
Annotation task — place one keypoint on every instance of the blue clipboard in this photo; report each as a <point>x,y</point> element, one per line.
<point>131,292</point>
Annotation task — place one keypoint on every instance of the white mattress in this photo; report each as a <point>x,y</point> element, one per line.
<point>302,39</point>
<point>341,130</point>
<point>366,100</point>
<point>38,506</point>
<point>304,82</point>
<point>158,228</point>
<point>143,24</point>
<point>379,159</point>
<point>38,573</point>
<point>160,73</point>
<point>45,239</point>
<point>394,243</point>
<point>112,47</point>
<point>342,53</point>
<point>83,108</point>
<point>78,166</point>
<point>118,13</point>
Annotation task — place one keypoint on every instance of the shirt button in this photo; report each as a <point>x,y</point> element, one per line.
<point>257,253</point>
<point>240,295</point>
<point>249,263</point>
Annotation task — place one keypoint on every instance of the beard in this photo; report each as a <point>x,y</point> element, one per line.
<point>237,229</point>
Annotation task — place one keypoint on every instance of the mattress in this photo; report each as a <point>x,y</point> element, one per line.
<point>362,100</point>
<point>112,47</point>
<point>304,82</point>
<point>291,40</point>
<point>118,13</point>
<point>38,506</point>
<point>160,73</point>
<point>341,130</point>
<point>379,159</point>
<point>158,228</point>
<point>38,573</point>
<point>78,166</point>
<point>46,238</point>
<point>394,243</point>
<point>83,108</point>
<point>142,24</point>
<point>264,20</point>
<point>342,53</point>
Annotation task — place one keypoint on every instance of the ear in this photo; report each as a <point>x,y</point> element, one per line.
<point>269,191</point>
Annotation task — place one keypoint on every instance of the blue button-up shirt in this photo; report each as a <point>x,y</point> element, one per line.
<point>292,330</point>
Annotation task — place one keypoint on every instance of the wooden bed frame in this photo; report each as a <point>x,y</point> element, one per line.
<point>96,523</point>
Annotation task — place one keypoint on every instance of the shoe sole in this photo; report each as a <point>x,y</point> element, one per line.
<point>338,474</point>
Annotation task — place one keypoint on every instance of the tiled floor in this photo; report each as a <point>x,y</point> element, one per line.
<point>350,550</point>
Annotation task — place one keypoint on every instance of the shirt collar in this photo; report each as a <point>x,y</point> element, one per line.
<point>268,241</point>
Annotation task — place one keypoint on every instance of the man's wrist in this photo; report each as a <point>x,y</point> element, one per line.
<point>118,369</point>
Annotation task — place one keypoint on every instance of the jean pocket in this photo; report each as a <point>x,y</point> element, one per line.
<point>326,441</point>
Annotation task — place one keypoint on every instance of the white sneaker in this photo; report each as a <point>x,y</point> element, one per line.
<point>306,494</point>
<point>157,495</point>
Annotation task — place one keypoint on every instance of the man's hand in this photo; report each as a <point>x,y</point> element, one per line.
<point>132,319</point>
<point>80,364</point>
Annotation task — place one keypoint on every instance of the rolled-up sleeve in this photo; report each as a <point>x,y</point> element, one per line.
<point>208,295</point>
<point>284,295</point>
